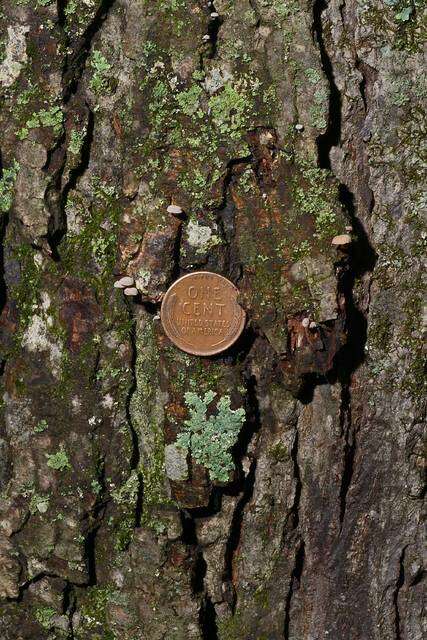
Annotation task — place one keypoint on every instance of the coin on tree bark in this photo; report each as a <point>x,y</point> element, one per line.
<point>200,313</point>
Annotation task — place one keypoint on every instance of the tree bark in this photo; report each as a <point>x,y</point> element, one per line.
<point>290,134</point>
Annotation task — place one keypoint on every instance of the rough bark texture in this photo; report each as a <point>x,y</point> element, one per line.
<point>276,125</point>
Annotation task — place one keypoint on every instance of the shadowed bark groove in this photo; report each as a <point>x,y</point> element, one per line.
<point>399,584</point>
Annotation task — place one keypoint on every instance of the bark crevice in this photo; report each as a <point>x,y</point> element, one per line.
<point>135,456</point>
<point>400,581</point>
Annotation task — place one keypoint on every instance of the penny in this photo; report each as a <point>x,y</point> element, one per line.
<point>200,313</point>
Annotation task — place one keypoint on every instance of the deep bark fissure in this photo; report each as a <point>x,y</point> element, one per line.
<point>136,456</point>
<point>332,135</point>
<point>75,64</point>
<point>399,584</point>
<point>69,606</point>
<point>297,478</point>
<point>297,571</point>
<point>55,198</point>
<point>226,209</point>
<point>3,287</point>
<point>90,555</point>
<point>362,260</point>
<point>4,221</point>
<point>255,9</point>
<point>61,5</point>
<point>23,588</point>
<point>294,583</point>
<point>349,448</point>
<point>207,615</point>
<point>83,163</point>
<point>189,538</point>
<point>235,533</point>
<point>214,26</point>
<point>253,424</point>
<point>207,620</point>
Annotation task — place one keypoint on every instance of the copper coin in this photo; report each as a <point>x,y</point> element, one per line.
<point>200,314</point>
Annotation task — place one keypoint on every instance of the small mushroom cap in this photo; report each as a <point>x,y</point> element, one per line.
<point>131,291</point>
<point>305,322</point>
<point>299,127</point>
<point>124,282</point>
<point>174,209</point>
<point>342,239</point>
<point>214,14</point>
<point>206,37</point>
<point>313,325</point>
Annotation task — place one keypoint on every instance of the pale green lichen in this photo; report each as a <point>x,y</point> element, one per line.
<point>39,504</point>
<point>99,83</point>
<point>318,110</point>
<point>76,141</point>
<point>128,491</point>
<point>7,184</point>
<point>41,426</point>
<point>403,9</point>
<point>210,439</point>
<point>59,460</point>
<point>234,106</point>
<point>200,237</point>
<point>52,117</point>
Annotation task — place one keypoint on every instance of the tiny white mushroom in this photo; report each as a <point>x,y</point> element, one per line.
<point>299,127</point>
<point>214,14</point>
<point>174,209</point>
<point>305,322</point>
<point>131,291</point>
<point>206,38</point>
<point>124,282</point>
<point>341,240</point>
<point>313,325</point>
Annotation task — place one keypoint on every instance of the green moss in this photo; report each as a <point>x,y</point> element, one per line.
<point>403,9</point>
<point>408,18</point>
<point>317,196</point>
<point>380,332</point>
<point>90,253</point>
<point>201,125</point>
<point>279,452</point>
<point>126,496</point>
<point>210,439</point>
<point>232,628</point>
<point>27,291</point>
<point>7,184</point>
<point>147,417</point>
<point>44,616</point>
<point>93,611</point>
<point>414,380</point>
<point>78,14</point>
